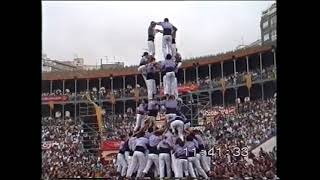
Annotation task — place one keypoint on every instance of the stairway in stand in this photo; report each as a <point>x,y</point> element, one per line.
<point>88,118</point>
<point>192,104</point>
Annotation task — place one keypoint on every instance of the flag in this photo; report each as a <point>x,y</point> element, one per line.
<point>98,110</point>
<point>136,94</point>
<point>112,99</point>
<point>223,84</point>
<point>248,80</point>
<point>99,118</point>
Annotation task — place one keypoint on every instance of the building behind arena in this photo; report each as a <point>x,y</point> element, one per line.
<point>268,25</point>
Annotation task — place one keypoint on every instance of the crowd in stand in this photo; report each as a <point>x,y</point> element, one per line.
<point>262,166</point>
<point>102,93</point>
<point>249,125</point>
<point>256,117</point>
<point>122,123</point>
<point>237,78</point>
<point>63,154</point>
<point>204,83</point>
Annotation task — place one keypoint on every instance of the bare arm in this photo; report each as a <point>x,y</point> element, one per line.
<point>174,28</point>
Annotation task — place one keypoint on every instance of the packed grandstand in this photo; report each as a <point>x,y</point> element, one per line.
<point>239,111</point>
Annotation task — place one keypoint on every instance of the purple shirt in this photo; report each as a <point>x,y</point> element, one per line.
<point>141,109</point>
<point>180,151</point>
<point>154,140</point>
<point>153,105</point>
<point>191,146</point>
<point>165,143</point>
<point>199,139</point>
<point>142,141</point>
<point>121,144</point>
<point>132,143</point>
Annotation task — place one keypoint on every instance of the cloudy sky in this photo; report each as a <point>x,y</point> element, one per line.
<point>93,30</point>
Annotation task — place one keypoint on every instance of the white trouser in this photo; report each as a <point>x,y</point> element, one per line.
<point>194,162</point>
<point>179,65</point>
<point>177,124</point>
<point>139,122</point>
<point>129,163</point>
<point>174,164</point>
<point>135,169</point>
<point>126,156</point>
<point>169,83</point>
<point>170,116</point>
<point>139,159</point>
<point>164,160</point>
<point>173,49</point>
<point>165,87</point>
<point>151,88</point>
<point>175,88</point>
<point>186,126</point>
<point>151,48</point>
<point>142,70</point>
<point>122,164</point>
<point>166,45</point>
<point>152,159</point>
<point>182,167</point>
<point>203,161</point>
<point>129,160</point>
<point>209,161</point>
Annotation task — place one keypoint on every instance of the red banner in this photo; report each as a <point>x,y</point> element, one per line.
<point>110,145</point>
<point>184,89</point>
<point>54,98</point>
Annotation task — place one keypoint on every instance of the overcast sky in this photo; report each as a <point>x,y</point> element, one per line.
<point>93,30</point>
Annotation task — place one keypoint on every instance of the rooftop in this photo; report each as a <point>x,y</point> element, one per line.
<point>132,70</point>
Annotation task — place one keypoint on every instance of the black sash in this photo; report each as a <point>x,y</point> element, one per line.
<point>201,147</point>
<point>169,69</point>
<point>121,151</point>
<point>183,156</point>
<point>153,150</point>
<point>151,38</point>
<point>153,113</point>
<point>151,76</point>
<point>164,150</point>
<point>140,148</point>
<point>171,110</point>
<point>130,153</point>
<point>190,154</point>
<point>167,31</point>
